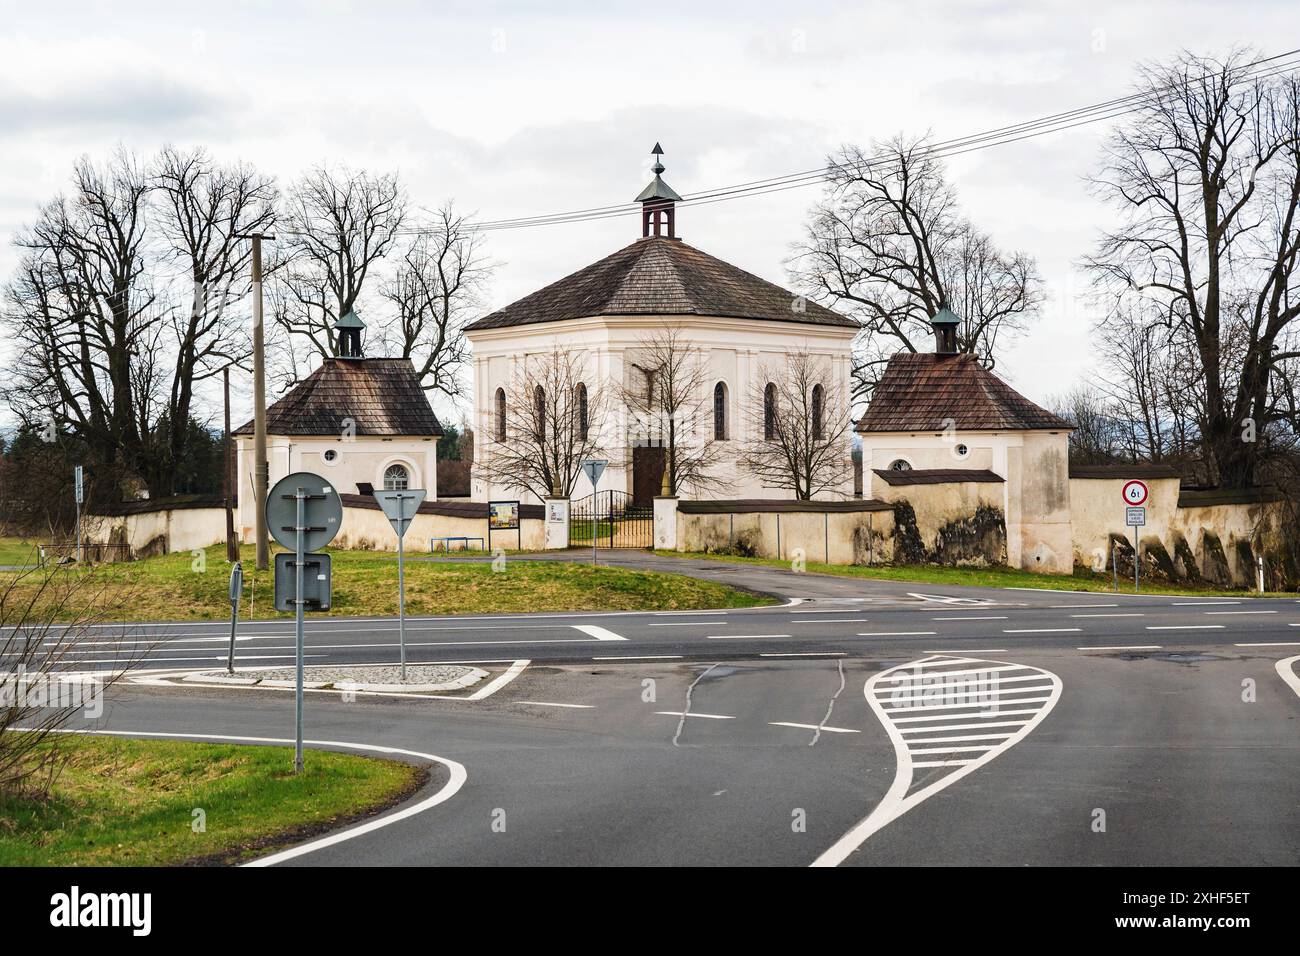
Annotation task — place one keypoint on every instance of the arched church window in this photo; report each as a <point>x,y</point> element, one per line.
<point>396,478</point>
<point>769,412</point>
<point>582,410</point>
<point>900,464</point>
<point>501,414</point>
<point>720,412</point>
<point>818,401</point>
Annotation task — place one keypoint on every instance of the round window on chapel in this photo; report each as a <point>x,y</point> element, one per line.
<point>331,455</point>
<point>962,451</point>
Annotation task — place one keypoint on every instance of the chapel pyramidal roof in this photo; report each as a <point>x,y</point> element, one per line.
<point>661,275</point>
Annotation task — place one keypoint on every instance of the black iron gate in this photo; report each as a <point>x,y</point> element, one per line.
<point>615,520</point>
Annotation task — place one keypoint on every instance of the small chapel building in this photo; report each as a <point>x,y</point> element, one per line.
<point>740,326</point>
<point>364,422</point>
<point>944,430</point>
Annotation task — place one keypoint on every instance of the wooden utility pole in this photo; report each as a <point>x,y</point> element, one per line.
<point>232,546</point>
<point>261,472</point>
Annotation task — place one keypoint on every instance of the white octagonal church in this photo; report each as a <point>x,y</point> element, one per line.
<point>739,327</point>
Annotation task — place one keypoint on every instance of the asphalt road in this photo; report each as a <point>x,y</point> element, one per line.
<point>865,723</point>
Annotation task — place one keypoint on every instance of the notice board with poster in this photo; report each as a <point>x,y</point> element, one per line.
<point>504,516</point>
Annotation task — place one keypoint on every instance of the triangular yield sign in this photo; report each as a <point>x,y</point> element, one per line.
<point>400,507</point>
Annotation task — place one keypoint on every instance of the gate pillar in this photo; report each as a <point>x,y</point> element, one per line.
<point>666,523</point>
<point>557,524</point>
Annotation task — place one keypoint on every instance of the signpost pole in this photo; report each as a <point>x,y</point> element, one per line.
<point>401,583</point>
<point>236,586</point>
<point>80,493</point>
<point>300,527</point>
<point>1137,530</point>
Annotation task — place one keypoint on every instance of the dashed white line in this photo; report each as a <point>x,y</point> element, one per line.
<point>683,714</point>
<point>1062,606</point>
<point>1240,612</point>
<point>1271,644</point>
<point>642,657</point>
<point>898,634</point>
<point>969,617</point>
<point>1199,603</point>
<point>1185,627</point>
<point>1040,630</point>
<point>548,703</point>
<point>1125,614</point>
<point>972,650</point>
<point>690,624</point>
<point>741,637</point>
<point>822,727</point>
<point>805,654</point>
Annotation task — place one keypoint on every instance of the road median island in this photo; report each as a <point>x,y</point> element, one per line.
<point>372,679</point>
<point>119,801</point>
<point>195,587</point>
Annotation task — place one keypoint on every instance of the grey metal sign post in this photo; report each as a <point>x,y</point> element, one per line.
<point>593,468</point>
<point>1135,495</point>
<point>236,586</point>
<point>401,507</point>
<point>77,476</point>
<point>316,512</point>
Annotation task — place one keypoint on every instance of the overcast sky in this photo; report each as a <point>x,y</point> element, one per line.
<point>516,109</point>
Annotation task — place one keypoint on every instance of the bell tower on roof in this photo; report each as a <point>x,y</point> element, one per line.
<point>658,201</point>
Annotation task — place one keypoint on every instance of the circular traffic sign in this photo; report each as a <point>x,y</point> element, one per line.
<point>323,509</point>
<point>1135,492</point>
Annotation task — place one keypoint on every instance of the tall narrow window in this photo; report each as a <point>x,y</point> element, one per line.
<point>720,412</point>
<point>582,410</point>
<point>501,414</point>
<point>769,412</point>
<point>818,400</point>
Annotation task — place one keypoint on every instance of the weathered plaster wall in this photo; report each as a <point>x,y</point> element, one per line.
<point>854,537</point>
<point>956,522</point>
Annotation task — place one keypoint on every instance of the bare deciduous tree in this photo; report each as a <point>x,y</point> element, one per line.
<point>435,290</point>
<point>338,225</point>
<point>801,423</point>
<point>553,420</point>
<point>1206,176</point>
<point>888,243</point>
<point>672,403</point>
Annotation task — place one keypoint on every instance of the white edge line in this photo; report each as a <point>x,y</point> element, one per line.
<point>513,671</point>
<point>456,780</point>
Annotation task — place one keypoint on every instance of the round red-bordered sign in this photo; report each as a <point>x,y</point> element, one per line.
<point>1135,492</point>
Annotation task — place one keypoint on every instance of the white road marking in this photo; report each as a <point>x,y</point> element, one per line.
<point>1122,647</point>
<point>947,727</point>
<point>688,613</point>
<point>821,727</point>
<point>741,637</point>
<point>1061,606</point>
<point>984,707</point>
<point>970,617</point>
<point>1285,670</point>
<point>456,780</point>
<point>1271,644</point>
<point>1185,627</point>
<point>642,657</point>
<point>959,739</point>
<point>897,800</point>
<point>825,610</point>
<point>547,703</point>
<point>1199,603</point>
<point>487,690</point>
<point>599,633</point>
<point>1127,614</point>
<point>973,650</point>
<point>1240,612</point>
<point>805,654</point>
<point>690,624</point>
<point>1040,630</point>
<point>898,634</point>
<point>835,620</point>
<point>684,714</point>
<point>980,716</point>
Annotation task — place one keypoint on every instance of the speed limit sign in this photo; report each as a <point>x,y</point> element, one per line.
<point>1135,492</point>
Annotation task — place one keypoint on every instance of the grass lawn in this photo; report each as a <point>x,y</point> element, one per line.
<point>177,587</point>
<point>120,802</point>
<point>1000,577</point>
<point>17,551</point>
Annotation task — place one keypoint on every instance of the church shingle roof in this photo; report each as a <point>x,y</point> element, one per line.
<point>922,392</point>
<point>382,396</point>
<point>661,276</point>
